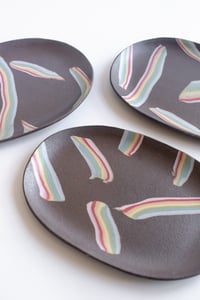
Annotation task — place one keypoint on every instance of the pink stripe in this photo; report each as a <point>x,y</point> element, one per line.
<point>40,176</point>
<point>177,163</point>
<point>190,99</point>
<point>83,74</point>
<point>135,145</point>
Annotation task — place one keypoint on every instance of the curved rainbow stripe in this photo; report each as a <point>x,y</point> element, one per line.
<point>175,121</point>
<point>34,70</point>
<point>152,74</point>
<point>125,67</point>
<point>83,81</point>
<point>130,142</point>
<point>106,232</point>
<point>191,93</point>
<point>182,168</point>
<point>27,126</point>
<point>189,48</point>
<point>96,161</point>
<point>47,180</point>
<point>9,100</point>
<point>154,207</point>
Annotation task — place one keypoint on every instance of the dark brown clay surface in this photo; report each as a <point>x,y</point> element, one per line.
<point>161,79</point>
<point>124,199</point>
<point>41,81</point>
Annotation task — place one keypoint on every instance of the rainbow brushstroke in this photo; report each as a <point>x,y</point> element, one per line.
<point>83,81</point>
<point>125,67</point>
<point>191,93</point>
<point>154,207</point>
<point>106,232</point>
<point>130,142</point>
<point>34,70</point>
<point>182,168</point>
<point>189,48</point>
<point>9,101</point>
<point>96,161</point>
<point>175,121</point>
<point>152,74</point>
<point>27,126</point>
<point>47,180</point>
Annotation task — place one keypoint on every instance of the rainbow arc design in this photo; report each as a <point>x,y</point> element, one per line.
<point>182,168</point>
<point>154,207</point>
<point>83,81</point>
<point>34,70</point>
<point>189,48</point>
<point>94,158</point>
<point>191,93</point>
<point>47,180</point>
<point>9,100</point>
<point>130,142</point>
<point>106,232</point>
<point>27,126</point>
<point>152,74</point>
<point>125,67</point>
<point>175,121</point>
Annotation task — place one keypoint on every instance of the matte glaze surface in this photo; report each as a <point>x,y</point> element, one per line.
<point>79,180</point>
<point>161,79</point>
<point>41,81</point>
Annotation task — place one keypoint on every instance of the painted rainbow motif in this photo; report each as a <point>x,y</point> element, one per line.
<point>27,126</point>
<point>83,81</point>
<point>96,161</point>
<point>106,232</point>
<point>175,121</point>
<point>189,48</point>
<point>9,101</point>
<point>182,168</point>
<point>125,67</point>
<point>191,93</point>
<point>34,70</point>
<point>130,142</point>
<point>152,74</point>
<point>154,207</point>
<point>47,180</point>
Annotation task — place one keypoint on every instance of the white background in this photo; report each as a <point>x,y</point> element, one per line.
<point>33,263</point>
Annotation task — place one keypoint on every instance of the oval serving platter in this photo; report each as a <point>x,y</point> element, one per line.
<point>120,197</point>
<point>41,81</point>
<point>161,79</point>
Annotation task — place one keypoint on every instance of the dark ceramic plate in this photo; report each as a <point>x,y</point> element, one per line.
<point>124,199</point>
<point>41,81</point>
<point>161,79</point>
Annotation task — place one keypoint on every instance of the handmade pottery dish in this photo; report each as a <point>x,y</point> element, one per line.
<point>120,197</point>
<point>41,81</point>
<point>161,79</point>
